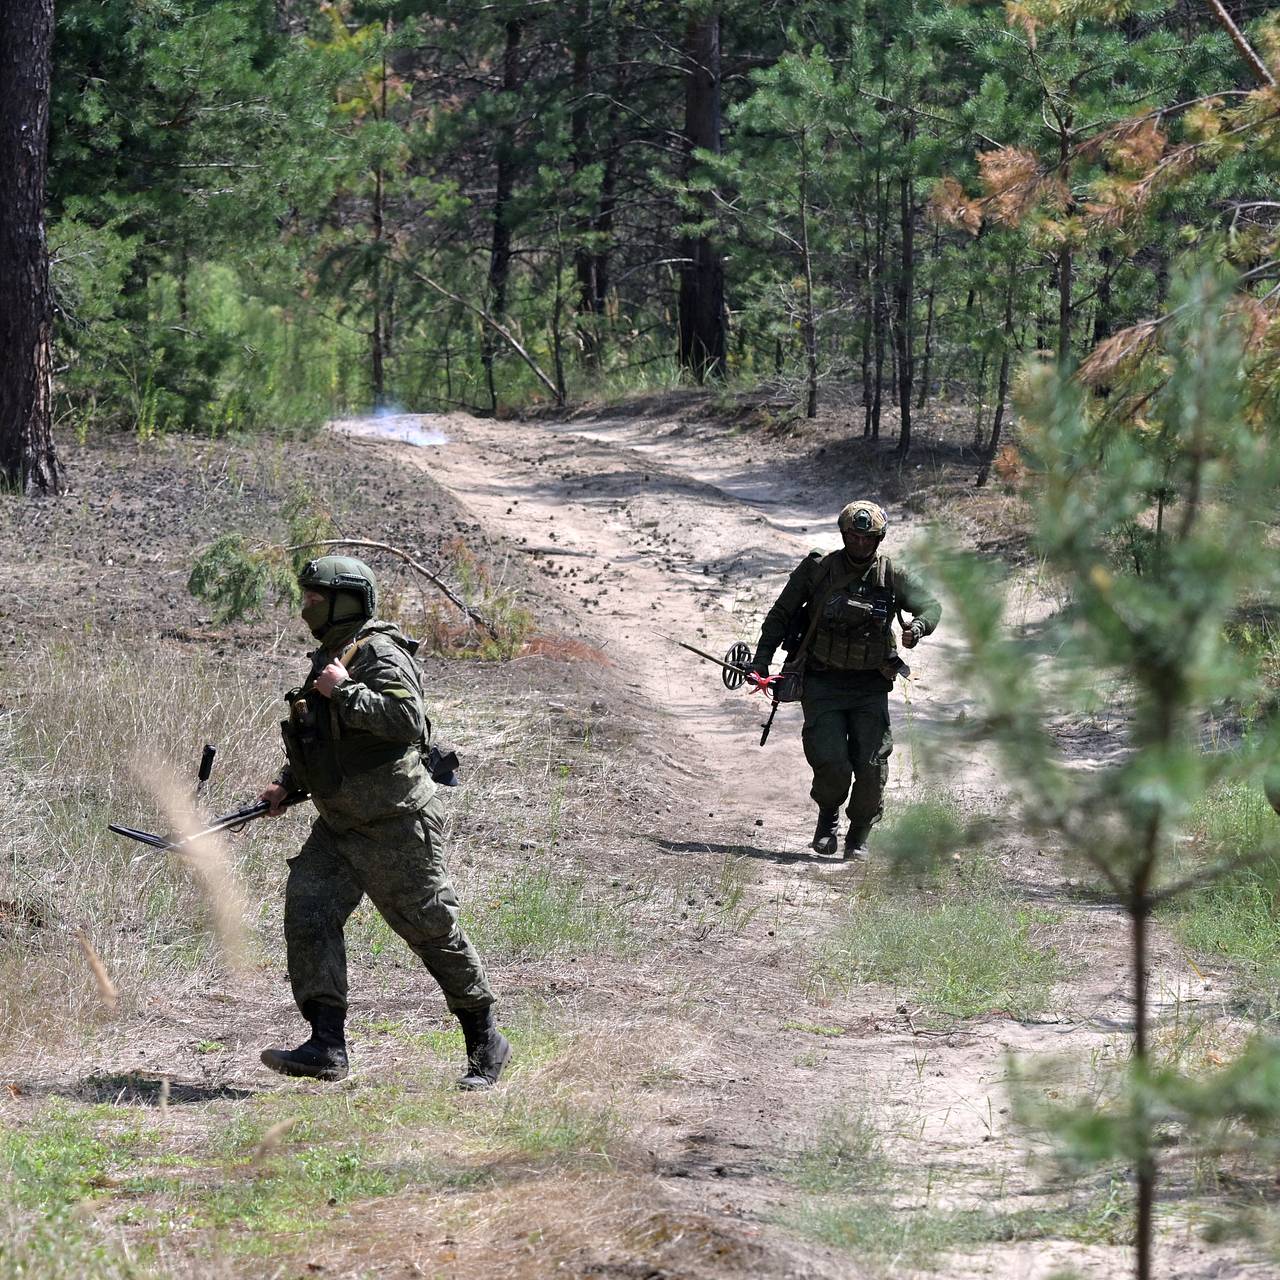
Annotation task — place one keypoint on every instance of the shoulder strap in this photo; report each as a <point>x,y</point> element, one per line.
<point>889,580</point>
<point>352,649</point>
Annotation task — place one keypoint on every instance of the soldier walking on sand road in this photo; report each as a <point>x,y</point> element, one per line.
<point>357,738</point>
<point>837,610</point>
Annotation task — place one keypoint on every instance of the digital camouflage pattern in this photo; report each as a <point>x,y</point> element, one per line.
<point>378,831</point>
<point>399,862</point>
<point>361,724</point>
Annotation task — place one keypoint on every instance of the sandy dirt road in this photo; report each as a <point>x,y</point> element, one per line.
<point>646,528</point>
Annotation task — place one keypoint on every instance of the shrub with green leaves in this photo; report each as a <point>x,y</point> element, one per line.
<point>1184,461</point>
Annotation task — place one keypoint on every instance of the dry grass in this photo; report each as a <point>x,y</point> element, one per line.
<point>80,720</point>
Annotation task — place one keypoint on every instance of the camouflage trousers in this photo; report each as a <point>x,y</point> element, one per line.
<point>399,863</point>
<point>847,740</point>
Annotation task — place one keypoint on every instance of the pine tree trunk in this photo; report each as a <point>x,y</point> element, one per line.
<point>1103,317</point>
<point>810,323</point>
<point>906,306</point>
<point>928,329</point>
<point>1065,265</point>
<point>880,311</point>
<point>377,331</point>
<point>584,260</point>
<point>1065,259</point>
<point>982,391</point>
<point>376,374</point>
<point>701,337</point>
<point>866,332</point>
<point>27,457</point>
<point>500,248</point>
<point>1002,383</point>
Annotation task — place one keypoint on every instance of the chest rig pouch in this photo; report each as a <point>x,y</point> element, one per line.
<point>858,607</point>
<point>853,631</point>
<point>320,755</point>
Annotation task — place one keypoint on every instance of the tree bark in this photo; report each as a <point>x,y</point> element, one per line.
<point>1066,262</point>
<point>928,328</point>
<point>865,353</point>
<point>702,338</point>
<point>27,457</point>
<point>879,312</point>
<point>377,330</point>
<point>500,246</point>
<point>584,260</point>
<point>810,321</point>
<point>1002,382</point>
<point>906,306</point>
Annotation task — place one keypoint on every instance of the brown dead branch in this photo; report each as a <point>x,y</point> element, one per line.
<point>1250,55</point>
<point>452,596</point>
<point>1118,353</point>
<point>500,329</point>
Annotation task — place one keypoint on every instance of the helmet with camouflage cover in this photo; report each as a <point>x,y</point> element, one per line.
<point>864,517</point>
<point>349,583</point>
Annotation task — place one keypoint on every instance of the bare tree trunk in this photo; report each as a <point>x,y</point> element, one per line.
<point>557,310</point>
<point>866,332</point>
<point>1002,382</point>
<point>906,305</point>
<point>500,250</point>
<point>928,329</point>
<point>810,325</point>
<point>880,311</point>
<point>27,457</point>
<point>584,260</point>
<point>982,391</point>
<point>1064,303</point>
<point>701,338</point>
<point>1065,262</point>
<point>377,335</point>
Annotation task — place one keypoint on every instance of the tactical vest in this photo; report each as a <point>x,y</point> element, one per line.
<point>853,632</point>
<point>320,751</point>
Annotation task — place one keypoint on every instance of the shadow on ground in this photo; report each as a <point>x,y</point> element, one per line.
<point>128,1089</point>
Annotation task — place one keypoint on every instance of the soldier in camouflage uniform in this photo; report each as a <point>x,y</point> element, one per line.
<point>843,605</point>
<point>356,739</point>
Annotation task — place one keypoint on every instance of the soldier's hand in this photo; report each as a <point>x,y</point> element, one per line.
<point>760,668</point>
<point>330,678</point>
<point>911,634</point>
<point>274,796</point>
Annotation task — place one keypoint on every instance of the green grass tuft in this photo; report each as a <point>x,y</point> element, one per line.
<point>846,1155</point>
<point>962,950</point>
<point>538,913</point>
<point>1234,920</point>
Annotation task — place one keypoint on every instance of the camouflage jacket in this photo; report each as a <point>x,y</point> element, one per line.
<point>363,754</point>
<point>809,584</point>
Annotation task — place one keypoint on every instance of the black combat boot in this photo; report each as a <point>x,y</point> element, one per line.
<point>487,1048</point>
<point>324,1056</point>
<point>855,843</point>
<point>825,833</point>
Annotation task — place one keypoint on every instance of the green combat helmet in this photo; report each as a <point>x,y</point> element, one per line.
<point>864,517</point>
<point>350,586</point>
